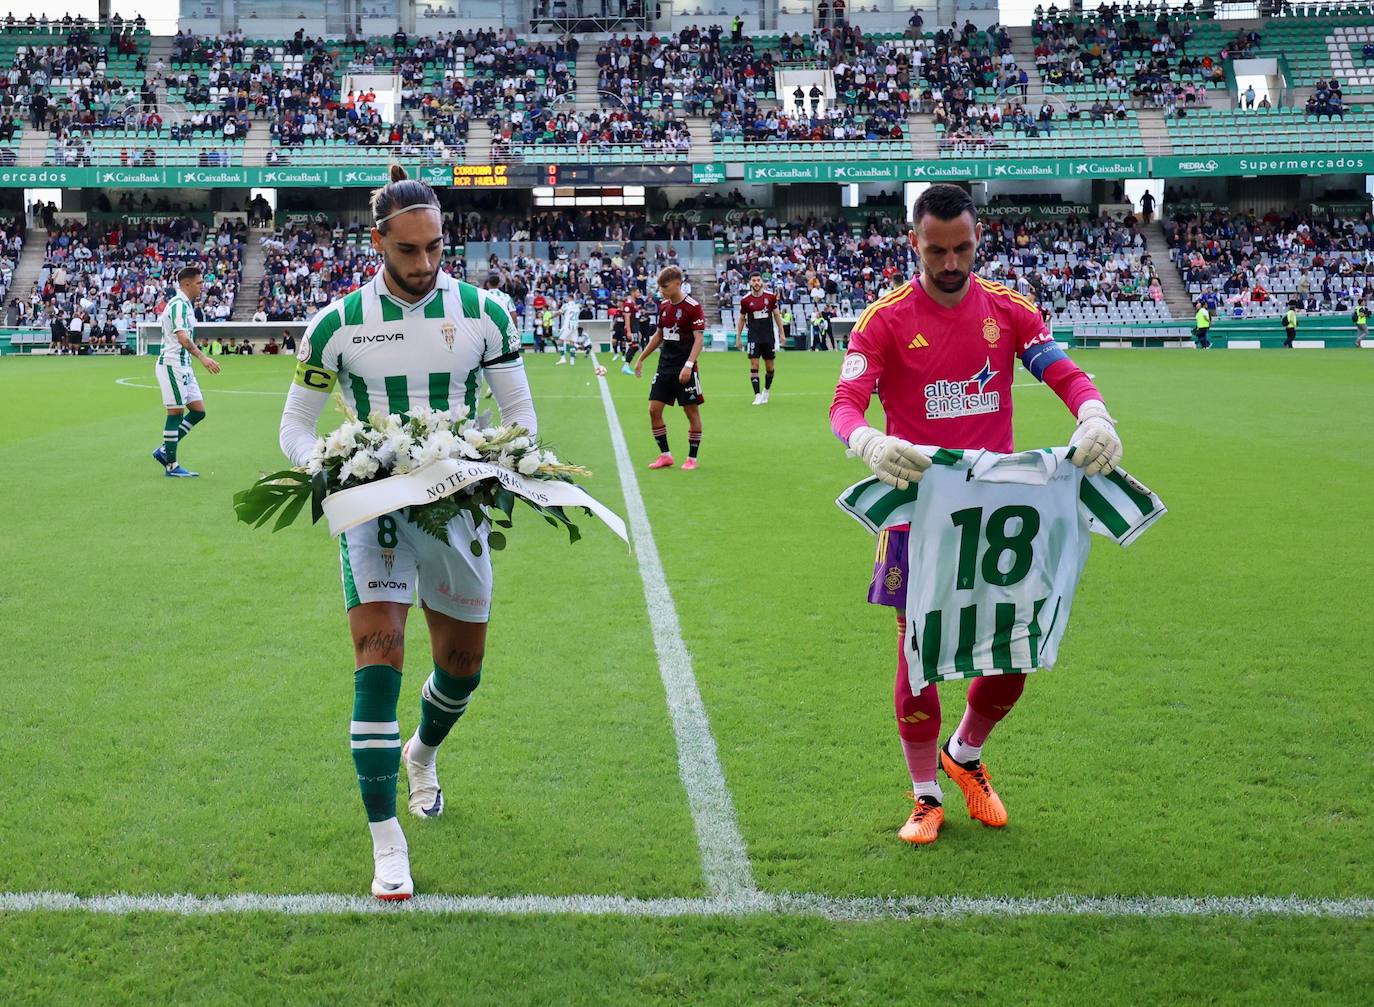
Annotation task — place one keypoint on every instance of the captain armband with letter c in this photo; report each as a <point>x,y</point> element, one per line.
<point>317,379</point>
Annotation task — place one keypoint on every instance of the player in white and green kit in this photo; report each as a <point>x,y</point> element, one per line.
<point>411,336</point>
<point>569,329</point>
<point>175,377</point>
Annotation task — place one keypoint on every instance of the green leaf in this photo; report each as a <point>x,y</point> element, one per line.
<point>291,510</point>
<point>496,540</point>
<point>475,547</point>
<point>504,500</point>
<point>319,489</point>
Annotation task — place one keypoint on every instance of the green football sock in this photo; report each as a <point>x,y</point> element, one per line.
<point>443,700</point>
<point>170,436</point>
<point>193,416</point>
<point>376,738</point>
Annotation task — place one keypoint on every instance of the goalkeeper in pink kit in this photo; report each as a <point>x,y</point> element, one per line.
<point>941,351</point>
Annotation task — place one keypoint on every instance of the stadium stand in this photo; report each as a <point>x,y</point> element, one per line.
<point>827,265</point>
<point>116,271</point>
<point>1090,269</point>
<point>1099,81</point>
<point>1248,265</point>
<point>556,254</point>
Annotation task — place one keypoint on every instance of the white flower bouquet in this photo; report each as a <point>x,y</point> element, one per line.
<point>361,452</point>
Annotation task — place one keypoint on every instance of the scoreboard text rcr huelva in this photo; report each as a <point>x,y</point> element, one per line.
<point>477,176</point>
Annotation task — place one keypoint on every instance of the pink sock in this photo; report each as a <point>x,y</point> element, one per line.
<point>918,718</point>
<point>990,698</point>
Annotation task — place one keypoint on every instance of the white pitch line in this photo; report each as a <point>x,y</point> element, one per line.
<point>804,905</point>
<point>131,383</point>
<point>724,861</point>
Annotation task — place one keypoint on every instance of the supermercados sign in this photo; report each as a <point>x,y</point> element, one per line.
<point>1261,164</point>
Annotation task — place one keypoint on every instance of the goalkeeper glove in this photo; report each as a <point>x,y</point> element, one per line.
<point>1097,448</point>
<point>893,460</point>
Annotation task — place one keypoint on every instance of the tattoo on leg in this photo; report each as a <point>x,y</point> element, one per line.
<point>463,663</point>
<point>380,643</point>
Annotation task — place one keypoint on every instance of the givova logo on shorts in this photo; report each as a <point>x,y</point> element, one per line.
<point>970,397</point>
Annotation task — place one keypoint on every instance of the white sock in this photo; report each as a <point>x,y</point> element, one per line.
<point>928,788</point>
<point>417,751</point>
<point>386,834</point>
<point>961,752</point>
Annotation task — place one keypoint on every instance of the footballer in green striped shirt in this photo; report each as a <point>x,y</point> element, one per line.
<point>411,336</point>
<point>175,376</point>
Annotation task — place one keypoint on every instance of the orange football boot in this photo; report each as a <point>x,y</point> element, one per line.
<point>924,824</point>
<point>972,778</point>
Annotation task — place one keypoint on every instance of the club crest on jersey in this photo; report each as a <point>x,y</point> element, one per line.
<point>970,397</point>
<point>893,580</point>
<point>388,560</point>
<point>448,330</point>
<point>991,331</point>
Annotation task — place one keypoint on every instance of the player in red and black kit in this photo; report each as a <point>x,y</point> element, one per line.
<point>681,333</point>
<point>758,310</point>
<point>625,334</point>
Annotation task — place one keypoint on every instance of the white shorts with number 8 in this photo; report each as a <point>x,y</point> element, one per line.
<point>389,559</point>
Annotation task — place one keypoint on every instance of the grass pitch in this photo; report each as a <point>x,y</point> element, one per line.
<point>175,689</point>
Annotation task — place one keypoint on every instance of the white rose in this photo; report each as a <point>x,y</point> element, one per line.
<point>529,464</point>
<point>548,458</point>
<point>314,465</point>
<point>520,444</point>
<point>463,449</point>
<point>444,442</point>
<point>474,437</point>
<point>506,460</point>
<point>395,447</point>
<point>365,465</point>
<point>459,413</point>
<point>339,443</point>
<point>425,454</point>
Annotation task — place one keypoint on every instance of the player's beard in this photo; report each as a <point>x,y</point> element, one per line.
<point>415,287</point>
<point>949,282</point>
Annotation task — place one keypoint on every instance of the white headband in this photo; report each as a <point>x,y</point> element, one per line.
<point>407,209</point>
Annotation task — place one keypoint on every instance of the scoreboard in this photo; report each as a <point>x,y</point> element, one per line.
<point>481,176</point>
<point>505,176</point>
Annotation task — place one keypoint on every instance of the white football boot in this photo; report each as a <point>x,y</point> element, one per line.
<point>391,874</point>
<point>758,399</point>
<point>426,797</point>
<point>765,399</point>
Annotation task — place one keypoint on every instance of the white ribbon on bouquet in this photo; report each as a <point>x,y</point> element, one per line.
<point>360,504</point>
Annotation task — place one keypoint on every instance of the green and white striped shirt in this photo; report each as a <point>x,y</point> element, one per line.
<point>387,355</point>
<point>178,316</point>
<point>996,547</point>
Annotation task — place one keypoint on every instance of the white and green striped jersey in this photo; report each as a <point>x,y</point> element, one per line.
<point>388,356</point>
<point>570,319</point>
<point>178,316</point>
<point>996,547</point>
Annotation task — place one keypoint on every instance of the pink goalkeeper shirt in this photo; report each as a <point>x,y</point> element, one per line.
<point>944,375</point>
